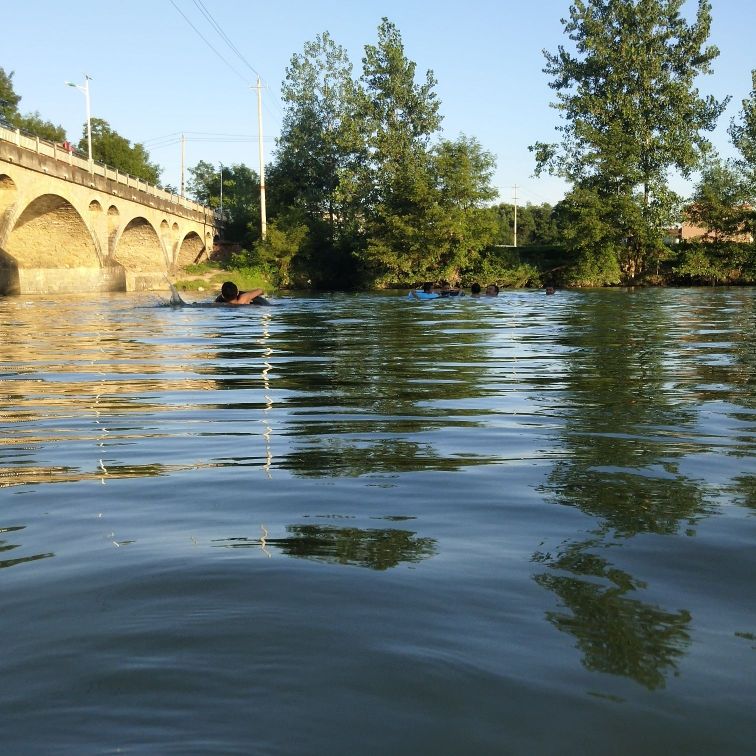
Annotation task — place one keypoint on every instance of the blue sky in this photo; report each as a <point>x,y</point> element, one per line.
<point>153,77</point>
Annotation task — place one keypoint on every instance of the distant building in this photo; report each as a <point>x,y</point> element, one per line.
<point>688,231</point>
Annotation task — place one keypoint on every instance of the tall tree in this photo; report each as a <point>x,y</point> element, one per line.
<point>8,98</point>
<point>463,225</point>
<point>315,142</point>
<point>400,116</point>
<point>109,147</point>
<point>631,113</point>
<point>312,178</point>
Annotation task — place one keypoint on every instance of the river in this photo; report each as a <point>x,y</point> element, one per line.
<point>357,524</point>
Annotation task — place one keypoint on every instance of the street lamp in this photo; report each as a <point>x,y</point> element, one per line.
<point>85,88</point>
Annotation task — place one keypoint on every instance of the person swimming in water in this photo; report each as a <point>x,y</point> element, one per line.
<point>425,293</point>
<point>231,295</point>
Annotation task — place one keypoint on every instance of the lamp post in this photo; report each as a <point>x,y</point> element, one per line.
<point>85,88</point>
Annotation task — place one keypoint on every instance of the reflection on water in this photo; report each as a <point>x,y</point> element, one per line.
<point>616,633</point>
<point>628,421</point>
<point>377,548</point>
<point>578,471</point>
<point>6,547</point>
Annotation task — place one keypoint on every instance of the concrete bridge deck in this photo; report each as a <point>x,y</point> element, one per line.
<point>68,225</point>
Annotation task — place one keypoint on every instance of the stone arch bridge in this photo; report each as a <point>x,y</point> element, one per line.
<point>71,225</point>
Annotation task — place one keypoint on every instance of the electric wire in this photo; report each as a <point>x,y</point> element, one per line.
<point>206,13</point>
<point>219,30</point>
<point>209,17</point>
<point>205,40</point>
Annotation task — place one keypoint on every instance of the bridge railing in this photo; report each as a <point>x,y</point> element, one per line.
<point>66,155</point>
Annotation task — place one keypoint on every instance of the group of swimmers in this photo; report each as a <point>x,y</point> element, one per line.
<point>230,294</point>
<point>428,291</point>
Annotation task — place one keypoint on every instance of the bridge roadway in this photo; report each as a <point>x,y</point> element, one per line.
<point>68,225</point>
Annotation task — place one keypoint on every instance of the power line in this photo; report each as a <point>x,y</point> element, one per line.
<point>206,13</point>
<point>209,17</point>
<point>217,27</point>
<point>159,145</point>
<point>202,37</point>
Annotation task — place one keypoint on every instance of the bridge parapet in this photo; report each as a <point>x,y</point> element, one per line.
<point>54,160</point>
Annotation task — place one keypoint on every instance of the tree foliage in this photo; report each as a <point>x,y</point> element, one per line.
<point>360,164</point>
<point>109,147</point>
<point>631,113</point>
<point>314,146</point>
<point>743,129</point>
<point>241,198</point>
<point>743,135</point>
<point>312,180</point>
<point>720,201</point>
<point>399,117</point>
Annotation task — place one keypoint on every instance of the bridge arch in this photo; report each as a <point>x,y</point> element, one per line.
<point>189,250</point>
<point>50,233</point>
<point>138,248</point>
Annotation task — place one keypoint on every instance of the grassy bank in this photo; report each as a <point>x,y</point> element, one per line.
<point>210,276</point>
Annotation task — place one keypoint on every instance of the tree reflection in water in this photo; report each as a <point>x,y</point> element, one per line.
<point>617,634</point>
<point>622,441</point>
<point>350,396</point>
<point>376,548</point>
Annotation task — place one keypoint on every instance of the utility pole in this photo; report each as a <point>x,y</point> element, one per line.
<point>263,220</point>
<point>183,142</point>
<point>221,201</point>
<point>514,188</point>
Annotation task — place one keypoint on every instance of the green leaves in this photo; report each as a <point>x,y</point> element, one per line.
<point>721,201</point>
<point>380,194</point>
<point>631,113</point>
<point>743,134</point>
<point>109,147</point>
<point>241,192</point>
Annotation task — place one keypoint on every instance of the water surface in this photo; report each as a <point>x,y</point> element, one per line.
<point>359,524</point>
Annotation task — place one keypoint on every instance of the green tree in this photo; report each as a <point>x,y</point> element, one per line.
<point>719,202</point>
<point>283,244</point>
<point>585,220</point>
<point>463,227</point>
<point>315,141</point>
<point>536,224</point>
<point>544,224</point>
<point>397,194</point>
<point>31,123</point>
<point>241,198</point>
<point>631,113</point>
<point>318,152</point>
<point>111,148</point>
<point>8,98</point>
<point>743,135</point>
<point>743,131</point>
